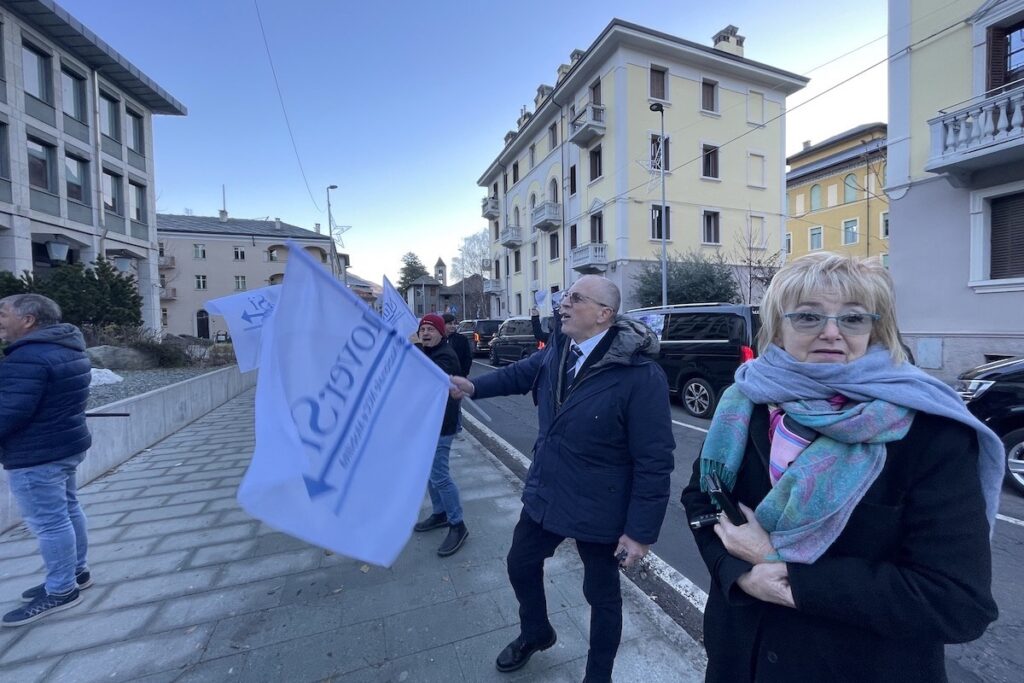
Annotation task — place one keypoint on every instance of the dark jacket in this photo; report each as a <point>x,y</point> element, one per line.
<point>603,458</point>
<point>44,387</point>
<point>538,330</point>
<point>444,357</point>
<point>912,570</point>
<point>460,345</point>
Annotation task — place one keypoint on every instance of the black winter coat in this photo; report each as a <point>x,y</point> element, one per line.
<point>911,571</point>
<point>44,388</point>
<point>444,357</point>
<point>603,458</point>
<point>460,345</point>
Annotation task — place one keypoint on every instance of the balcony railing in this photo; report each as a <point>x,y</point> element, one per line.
<point>493,287</point>
<point>590,257</point>
<point>168,293</point>
<point>980,135</point>
<point>512,237</point>
<point>547,216</point>
<point>588,125</point>
<point>489,208</point>
<point>165,262</point>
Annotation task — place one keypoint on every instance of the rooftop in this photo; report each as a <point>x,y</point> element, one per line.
<point>249,227</point>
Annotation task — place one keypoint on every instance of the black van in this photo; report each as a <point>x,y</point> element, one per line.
<point>994,393</point>
<point>479,334</point>
<point>514,341</point>
<point>701,347</point>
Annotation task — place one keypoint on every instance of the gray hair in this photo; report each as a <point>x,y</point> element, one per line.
<point>45,310</point>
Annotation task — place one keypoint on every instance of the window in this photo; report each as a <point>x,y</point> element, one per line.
<point>709,165</point>
<point>884,225</point>
<point>533,251</point>
<point>552,136</point>
<point>572,179</point>
<point>161,247</point>
<point>597,228</point>
<point>787,243</point>
<point>515,173</point>
<point>708,95</point>
<point>758,237</point>
<point>72,95</point>
<point>41,171</point>
<point>534,270</point>
<point>163,315</point>
<point>553,190</point>
<point>850,231</point>
<point>515,217</point>
<point>553,246</point>
<point>5,153</point>
<point>712,228</point>
<point>659,83</point>
<point>110,119</point>
<point>76,179</point>
<point>273,254</point>
<point>239,253</point>
<point>199,251</point>
<point>533,155</point>
<point>137,202</point>
<point>494,189</point>
<point>814,238</point>
<point>113,199</point>
<point>656,153</point>
<point>573,240</point>
<point>504,182</point>
<point>240,283</point>
<point>595,92</point>
<point>849,188</point>
<point>1005,55</point>
<point>134,129</point>
<point>496,230</point>
<point>1007,237</point>
<point>519,304</point>
<point>595,163</point>
<point>755,170</point>
<point>755,107</point>
<point>497,269</point>
<point>35,70</point>
<point>656,212</point>
<point>200,282</point>
<point>815,197</point>
<point>517,260</point>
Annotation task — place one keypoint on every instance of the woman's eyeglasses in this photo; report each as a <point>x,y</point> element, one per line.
<point>853,323</point>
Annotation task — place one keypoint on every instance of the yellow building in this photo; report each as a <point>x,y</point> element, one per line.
<point>836,202</point>
<point>576,186</point>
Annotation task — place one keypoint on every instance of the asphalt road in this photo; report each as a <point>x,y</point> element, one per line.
<point>997,657</point>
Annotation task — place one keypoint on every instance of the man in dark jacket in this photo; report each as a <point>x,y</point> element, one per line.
<point>459,344</point>
<point>601,465</point>
<point>44,387</point>
<point>444,495</point>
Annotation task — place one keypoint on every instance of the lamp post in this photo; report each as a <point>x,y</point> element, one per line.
<point>330,233</point>
<point>658,107</point>
<point>462,260</point>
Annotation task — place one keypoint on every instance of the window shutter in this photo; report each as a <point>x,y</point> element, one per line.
<point>1007,241</point>
<point>996,57</point>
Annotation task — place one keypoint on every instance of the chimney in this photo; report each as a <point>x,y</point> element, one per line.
<point>575,56</point>
<point>524,117</point>
<point>563,69</point>
<point>509,137</point>
<point>807,144</point>
<point>316,226</point>
<point>277,223</point>
<point>542,92</point>
<point>729,40</point>
<point>223,216</point>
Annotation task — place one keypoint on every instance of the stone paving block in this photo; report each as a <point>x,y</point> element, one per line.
<point>270,544</point>
<point>217,604</point>
<point>19,547</point>
<point>136,485</point>
<point>155,588</point>
<point>169,526</point>
<point>440,665</point>
<point>570,585</point>
<point>185,487</point>
<point>322,656</point>
<point>222,504</point>
<point>309,587</point>
<point>478,576</point>
<point>212,671</point>
<point>91,496</point>
<point>123,569</point>
<point>202,496</point>
<point>128,660</point>
<point>127,505</point>
<point>162,512</point>
<point>430,627</point>
<point>108,535</point>
<point>401,595</point>
<point>203,475</point>
<point>239,515</point>
<point>655,660</point>
<point>206,537</point>
<point>20,566</point>
<point>30,672</point>
<point>75,630</point>
<point>119,550</point>
<point>101,521</point>
<point>270,565</point>
<point>223,552</point>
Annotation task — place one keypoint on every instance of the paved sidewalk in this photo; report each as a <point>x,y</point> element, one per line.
<point>190,588</point>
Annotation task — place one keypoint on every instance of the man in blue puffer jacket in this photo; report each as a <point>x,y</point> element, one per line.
<point>44,387</point>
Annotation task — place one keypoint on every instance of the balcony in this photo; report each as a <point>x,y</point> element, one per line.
<point>168,293</point>
<point>590,258</point>
<point>489,208</point>
<point>493,287</point>
<point>165,262</point>
<point>512,237</point>
<point>587,126</point>
<point>986,133</point>
<point>547,216</point>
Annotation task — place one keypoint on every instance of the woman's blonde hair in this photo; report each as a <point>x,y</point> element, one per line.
<point>865,281</point>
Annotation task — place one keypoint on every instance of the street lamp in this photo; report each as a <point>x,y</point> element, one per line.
<point>658,107</point>
<point>330,233</point>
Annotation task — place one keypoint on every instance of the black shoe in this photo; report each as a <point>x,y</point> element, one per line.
<point>41,607</point>
<point>457,535</point>
<point>434,521</point>
<point>517,653</point>
<point>84,580</point>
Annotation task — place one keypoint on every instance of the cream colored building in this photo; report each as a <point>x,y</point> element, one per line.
<point>836,201</point>
<point>575,188</point>
<point>76,149</point>
<point>955,179</point>
<point>207,257</point>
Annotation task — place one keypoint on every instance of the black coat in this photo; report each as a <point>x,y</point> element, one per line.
<point>460,345</point>
<point>603,457</point>
<point>444,357</point>
<point>911,571</point>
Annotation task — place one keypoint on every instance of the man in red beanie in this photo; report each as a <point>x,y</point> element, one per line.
<point>444,495</point>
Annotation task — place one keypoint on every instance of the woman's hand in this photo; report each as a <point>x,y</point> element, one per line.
<point>748,541</point>
<point>768,581</point>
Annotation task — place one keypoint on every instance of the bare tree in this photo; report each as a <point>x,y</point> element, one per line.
<point>476,248</point>
<point>755,265</point>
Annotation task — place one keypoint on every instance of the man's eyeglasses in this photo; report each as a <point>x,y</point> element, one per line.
<point>853,323</point>
<point>577,298</point>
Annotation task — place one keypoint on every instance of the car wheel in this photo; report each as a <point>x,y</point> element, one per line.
<point>698,397</point>
<point>1014,442</point>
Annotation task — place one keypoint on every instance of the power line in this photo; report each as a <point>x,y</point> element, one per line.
<point>280,97</point>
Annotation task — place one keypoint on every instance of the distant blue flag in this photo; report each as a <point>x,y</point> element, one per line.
<point>246,314</point>
<point>348,415</point>
<point>396,312</point>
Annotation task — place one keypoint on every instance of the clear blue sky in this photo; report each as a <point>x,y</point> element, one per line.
<point>404,104</point>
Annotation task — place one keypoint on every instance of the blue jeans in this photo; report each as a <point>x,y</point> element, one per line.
<point>47,497</point>
<point>444,495</point>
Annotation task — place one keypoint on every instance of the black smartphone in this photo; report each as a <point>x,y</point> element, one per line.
<point>724,500</point>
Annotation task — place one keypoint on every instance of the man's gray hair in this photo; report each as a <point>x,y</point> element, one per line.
<point>43,309</point>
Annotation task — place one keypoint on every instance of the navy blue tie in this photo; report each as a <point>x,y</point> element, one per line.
<point>574,355</point>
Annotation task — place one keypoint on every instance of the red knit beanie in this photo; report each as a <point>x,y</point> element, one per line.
<point>435,321</point>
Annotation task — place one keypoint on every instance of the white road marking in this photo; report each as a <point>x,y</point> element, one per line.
<point>486,365</point>
<point>689,426</point>
<point>1011,520</point>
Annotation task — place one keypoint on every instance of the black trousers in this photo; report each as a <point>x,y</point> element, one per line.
<point>531,545</point>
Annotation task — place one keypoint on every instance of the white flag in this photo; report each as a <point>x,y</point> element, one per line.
<point>348,415</point>
<point>246,314</point>
<point>396,312</point>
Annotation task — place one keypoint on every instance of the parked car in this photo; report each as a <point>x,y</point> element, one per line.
<point>479,333</point>
<point>701,347</point>
<point>514,341</point>
<point>994,393</point>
